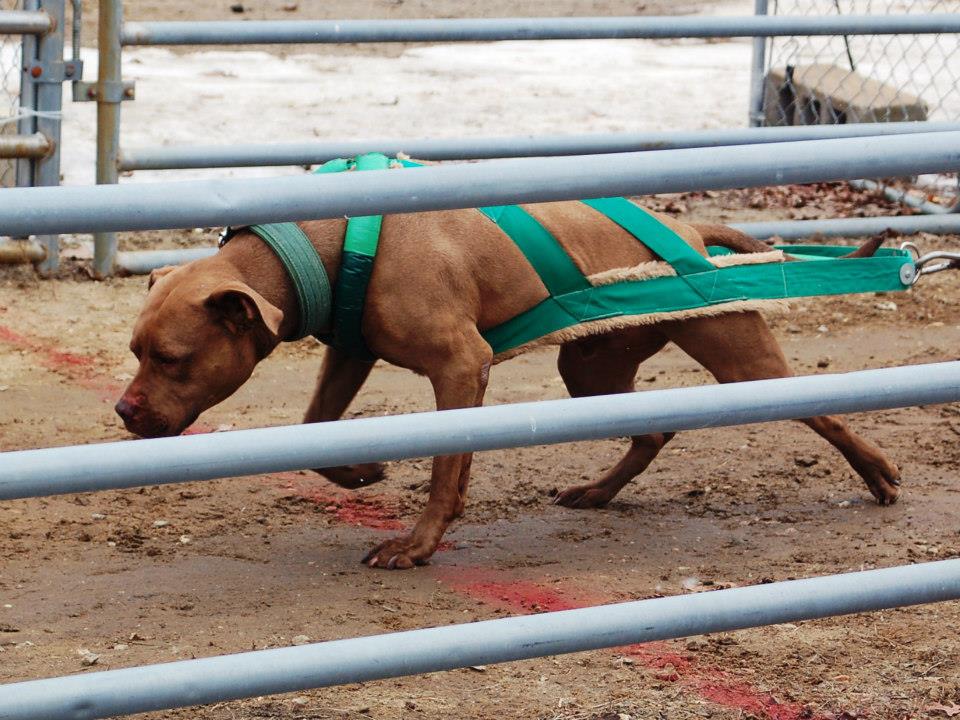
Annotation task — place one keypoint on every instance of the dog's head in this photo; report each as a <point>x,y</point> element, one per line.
<point>198,338</point>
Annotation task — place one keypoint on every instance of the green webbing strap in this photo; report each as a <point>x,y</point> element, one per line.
<point>306,271</point>
<point>356,266</point>
<point>556,269</point>
<point>654,234</point>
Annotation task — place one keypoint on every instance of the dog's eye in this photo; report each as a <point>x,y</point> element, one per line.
<point>164,359</point>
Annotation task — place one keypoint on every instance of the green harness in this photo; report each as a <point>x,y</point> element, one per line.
<point>572,300</point>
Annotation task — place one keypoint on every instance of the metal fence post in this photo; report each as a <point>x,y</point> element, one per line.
<point>27,125</point>
<point>756,71</point>
<point>109,97</point>
<point>48,83</point>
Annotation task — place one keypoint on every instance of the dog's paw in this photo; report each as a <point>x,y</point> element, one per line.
<point>400,553</point>
<point>351,477</point>
<point>883,482</point>
<point>583,497</point>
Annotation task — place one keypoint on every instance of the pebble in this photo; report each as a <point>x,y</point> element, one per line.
<point>886,306</point>
<point>185,539</point>
<point>121,646</point>
<point>98,516</point>
<point>300,640</point>
<point>160,523</point>
<point>87,658</point>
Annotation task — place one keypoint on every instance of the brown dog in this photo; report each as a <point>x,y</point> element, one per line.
<point>440,279</point>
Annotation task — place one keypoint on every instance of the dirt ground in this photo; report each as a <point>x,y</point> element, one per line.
<point>200,569</point>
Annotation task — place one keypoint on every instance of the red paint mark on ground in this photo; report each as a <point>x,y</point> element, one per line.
<point>743,697</point>
<point>492,588</point>
<point>710,683</point>
<point>374,512</point>
<point>80,369</point>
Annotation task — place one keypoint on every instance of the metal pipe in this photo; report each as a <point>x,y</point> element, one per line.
<point>485,29</point>
<point>494,182</point>
<point>21,251</point>
<point>49,104</point>
<point>758,66</point>
<point>87,468</point>
<point>25,22</point>
<point>143,261</point>
<point>486,148</point>
<point>27,125</point>
<point>24,146</point>
<point>109,97</point>
<point>901,196</point>
<point>338,662</point>
<point>944,224</point>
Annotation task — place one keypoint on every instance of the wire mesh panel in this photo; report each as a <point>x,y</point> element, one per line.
<point>9,91</point>
<point>865,78</point>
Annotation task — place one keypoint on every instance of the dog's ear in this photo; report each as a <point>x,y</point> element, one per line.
<point>159,273</point>
<point>241,308</point>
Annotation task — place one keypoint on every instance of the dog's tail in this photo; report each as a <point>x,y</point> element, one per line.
<point>729,238</point>
<point>740,242</point>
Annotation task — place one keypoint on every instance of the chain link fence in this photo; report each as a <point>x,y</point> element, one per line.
<point>867,78</point>
<point>9,91</point>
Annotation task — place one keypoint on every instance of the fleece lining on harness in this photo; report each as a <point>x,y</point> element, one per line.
<point>684,284</point>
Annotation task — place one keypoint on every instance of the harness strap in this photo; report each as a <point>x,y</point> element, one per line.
<point>654,234</point>
<point>551,262</point>
<point>356,265</point>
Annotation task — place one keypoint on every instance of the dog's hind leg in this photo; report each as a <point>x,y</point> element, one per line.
<point>740,346</point>
<point>341,377</point>
<point>604,365</point>
<point>459,372</point>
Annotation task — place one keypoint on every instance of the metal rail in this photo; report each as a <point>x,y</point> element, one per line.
<point>36,145</point>
<point>25,22</point>
<point>86,468</point>
<point>577,28</point>
<point>309,197</point>
<point>486,148</point>
<point>263,672</point>
<point>943,224</point>
<point>904,196</point>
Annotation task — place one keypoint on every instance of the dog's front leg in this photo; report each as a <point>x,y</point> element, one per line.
<point>341,377</point>
<point>459,376</point>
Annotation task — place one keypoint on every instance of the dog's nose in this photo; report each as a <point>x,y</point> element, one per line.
<point>126,410</point>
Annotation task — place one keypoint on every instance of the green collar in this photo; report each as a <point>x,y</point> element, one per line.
<point>306,271</point>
